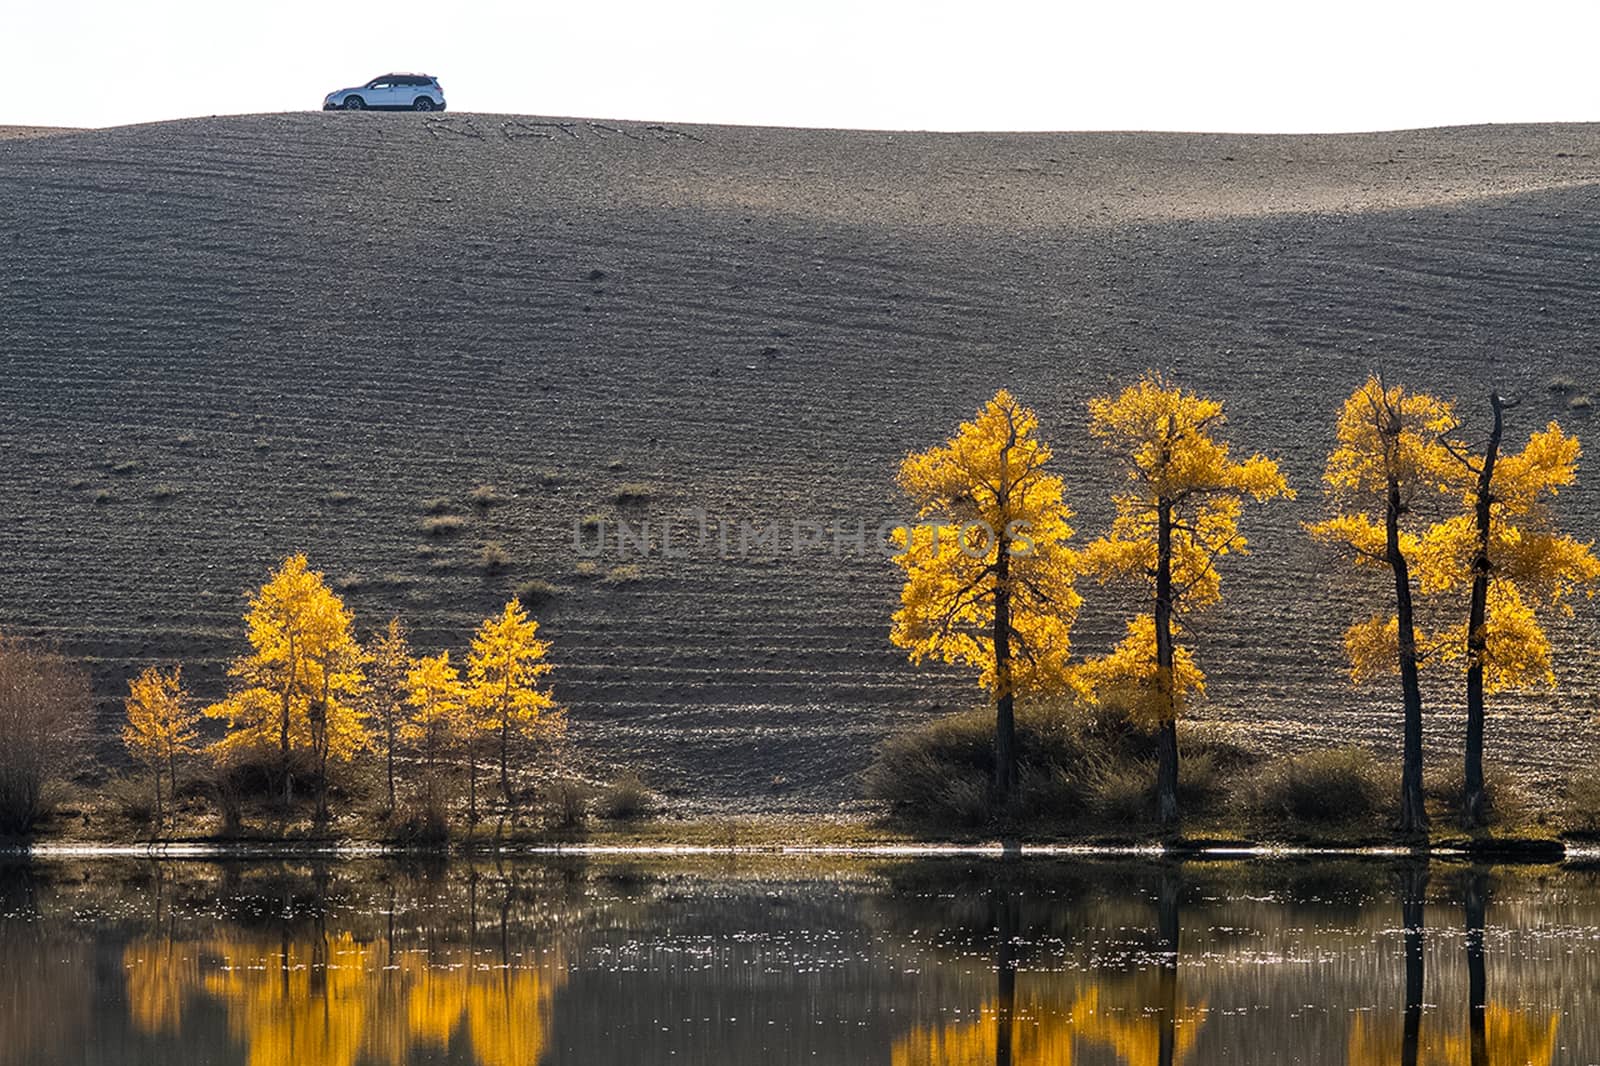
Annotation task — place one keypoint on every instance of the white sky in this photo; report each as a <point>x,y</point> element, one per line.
<point>1281,66</point>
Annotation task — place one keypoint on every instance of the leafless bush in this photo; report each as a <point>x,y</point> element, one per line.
<point>44,718</point>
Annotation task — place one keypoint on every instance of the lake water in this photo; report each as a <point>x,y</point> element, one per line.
<point>797,960</point>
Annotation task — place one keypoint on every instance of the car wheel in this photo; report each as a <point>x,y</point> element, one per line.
<point>422,104</point>
<point>354,103</point>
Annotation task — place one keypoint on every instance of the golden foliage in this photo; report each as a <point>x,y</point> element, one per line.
<point>1532,565</point>
<point>983,492</point>
<point>504,672</point>
<point>1386,436</point>
<point>160,718</point>
<point>1127,678</point>
<point>439,722</point>
<point>1167,442</point>
<point>303,674</point>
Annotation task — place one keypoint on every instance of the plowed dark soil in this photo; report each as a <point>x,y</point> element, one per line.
<point>223,340</point>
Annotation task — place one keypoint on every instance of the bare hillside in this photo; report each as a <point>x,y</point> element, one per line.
<point>224,340</point>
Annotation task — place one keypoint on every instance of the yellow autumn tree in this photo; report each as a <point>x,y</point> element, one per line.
<point>298,689</point>
<point>439,722</point>
<point>1506,549</point>
<point>989,575</point>
<point>160,725</point>
<point>1177,514</point>
<point>505,673</point>
<point>1392,457</point>
<point>389,666</point>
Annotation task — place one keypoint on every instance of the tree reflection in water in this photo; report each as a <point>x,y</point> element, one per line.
<point>786,960</point>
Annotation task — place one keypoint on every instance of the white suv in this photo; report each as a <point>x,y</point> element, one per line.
<point>391,92</point>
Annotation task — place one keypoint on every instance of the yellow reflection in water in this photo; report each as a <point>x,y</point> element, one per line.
<point>1116,1018</point>
<point>335,1000</point>
<point>1511,1038</point>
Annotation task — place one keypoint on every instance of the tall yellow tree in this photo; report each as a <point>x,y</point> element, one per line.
<point>1392,454</point>
<point>160,726</point>
<point>989,575</point>
<point>298,688</point>
<point>1505,547</point>
<point>1176,516</point>
<point>439,722</point>
<point>389,666</point>
<point>505,674</point>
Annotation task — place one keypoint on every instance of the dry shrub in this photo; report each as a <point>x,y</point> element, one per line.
<point>1344,784</point>
<point>1505,803</point>
<point>633,493</point>
<point>566,804</point>
<point>438,505</point>
<point>1581,803</point>
<point>44,719</point>
<point>484,497</point>
<point>537,591</point>
<point>493,557</point>
<point>625,574</point>
<point>626,799</point>
<point>422,820</point>
<point>443,525</point>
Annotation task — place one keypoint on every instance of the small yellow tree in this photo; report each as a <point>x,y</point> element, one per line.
<point>439,723</point>
<point>1506,548</point>
<point>160,726</point>
<point>297,689</point>
<point>989,576</point>
<point>1392,453</point>
<point>1177,514</point>
<point>505,670</point>
<point>389,666</point>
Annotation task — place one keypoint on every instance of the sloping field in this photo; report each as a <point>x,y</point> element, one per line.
<point>224,340</point>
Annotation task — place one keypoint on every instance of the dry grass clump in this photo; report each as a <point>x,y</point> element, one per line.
<point>592,521</point>
<point>1580,403</point>
<point>187,439</point>
<point>103,497</point>
<point>125,467</point>
<point>348,582</point>
<point>340,498</point>
<point>438,505</point>
<point>443,525</point>
<point>163,492</point>
<point>484,497</point>
<point>625,574</point>
<point>1561,383</point>
<point>537,591</point>
<point>1505,803</point>
<point>1334,785</point>
<point>587,570</point>
<point>566,804</point>
<point>1580,808</point>
<point>626,799</point>
<point>1075,764</point>
<point>492,557</point>
<point>633,493</point>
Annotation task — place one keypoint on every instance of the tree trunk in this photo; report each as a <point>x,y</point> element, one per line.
<point>1005,1016</point>
<point>157,768</point>
<point>472,785</point>
<point>1477,981</point>
<point>1167,922</point>
<point>1167,738</point>
<point>388,754</point>
<point>1005,728</point>
<point>1473,806</point>
<point>1414,883</point>
<point>283,752</point>
<point>505,743</point>
<point>172,777</point>
<point>1413,811</point>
